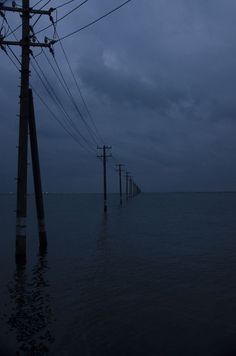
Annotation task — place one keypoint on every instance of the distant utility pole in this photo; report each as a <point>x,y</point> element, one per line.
<point>104,157</point>
<point>127,185</point>
<point>130,187</point>
<point>25,43</point>
<point>120,180</point>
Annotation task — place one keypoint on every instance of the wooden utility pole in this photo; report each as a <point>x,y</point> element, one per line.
<point>130,187</point>
<point>120,181</point>
<point>37,175</point>
<point>21,204</point>
<point>104,157</point>
<point>25,43</point>
<point>127,185</point>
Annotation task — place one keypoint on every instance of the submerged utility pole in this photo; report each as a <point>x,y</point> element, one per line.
<point>25,43</point>
<point>127,185</point>
<point>104,157</point>
<point>120,181</point>
<point>37,175</point>
<point>130,187</point>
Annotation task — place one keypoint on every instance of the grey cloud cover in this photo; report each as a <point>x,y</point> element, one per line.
<point>159,78</point>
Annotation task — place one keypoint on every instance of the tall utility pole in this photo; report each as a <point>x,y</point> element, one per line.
<point>104,157</point>
<point>25,43</point>
<point>127,185</point>
<point>120,181</point>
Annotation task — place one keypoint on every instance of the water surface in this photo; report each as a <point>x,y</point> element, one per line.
<point>155,277</point>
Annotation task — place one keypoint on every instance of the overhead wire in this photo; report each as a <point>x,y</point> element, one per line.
<point>66,3</point>
<point>13,53</point>
<point>63,17</point>
<point>56,118</point>
<point>65,86</point>
<point>15,65</point>
<point>88,149</point>
<point>13,31</point>
<point>39,17</point>
<point>46,3</point>
<point>80,91</point>
<point>90,131</point>
<point>58,103</point>
<point>19,26</point>
<point>37,3</point>
<point>95,21</point>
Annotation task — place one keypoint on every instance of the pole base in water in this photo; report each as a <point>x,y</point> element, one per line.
<point>20,249</point>
<point>43,240</point>
<point>42,234</point>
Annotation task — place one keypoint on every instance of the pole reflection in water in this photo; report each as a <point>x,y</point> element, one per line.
<point>103,235</point>
<point>31,314</point>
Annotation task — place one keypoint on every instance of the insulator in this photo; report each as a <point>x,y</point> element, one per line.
<point>51,51</point>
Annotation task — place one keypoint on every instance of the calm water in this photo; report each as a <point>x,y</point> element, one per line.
<point>157,277</point>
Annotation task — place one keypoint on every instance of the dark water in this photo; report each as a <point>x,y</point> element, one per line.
<point>157,277</point>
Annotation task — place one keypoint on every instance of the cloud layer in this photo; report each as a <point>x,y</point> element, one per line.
<point>159,79</point>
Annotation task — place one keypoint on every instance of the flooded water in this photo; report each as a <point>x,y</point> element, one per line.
<point>155,277</point>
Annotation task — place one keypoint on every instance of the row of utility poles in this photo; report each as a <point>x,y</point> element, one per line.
<point>131,188</point>
<point>27,127</point>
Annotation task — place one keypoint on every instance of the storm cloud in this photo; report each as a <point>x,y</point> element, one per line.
<point>159,79</point>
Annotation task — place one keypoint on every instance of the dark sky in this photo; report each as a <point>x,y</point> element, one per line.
<point>159,77</point>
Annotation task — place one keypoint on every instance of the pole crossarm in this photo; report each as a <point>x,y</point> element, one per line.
<point>104,148</point>
<point>28,10</point>
<point>21,43</point>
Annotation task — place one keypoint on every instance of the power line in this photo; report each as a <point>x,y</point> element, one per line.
<point>62,18</point>
<point>13,31</point>
<point>37,3</point>
<point>57,101</point>
<point>95,21</point>
<point>56,118</point>
<point>13,53</point>
<point>19,26</point>
<point>74,102</point>
<point>66,3</point>
<point>79,90</point>
<point>15,65</point>
<point>41,14</point>
<point>45,4</point>
<point>68,92</point>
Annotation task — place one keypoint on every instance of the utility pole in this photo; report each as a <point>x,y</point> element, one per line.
<point>25,43</point>
<point>127,185</point>
<point>37,175</point>
<point>120,180</point>
<point>130,187</point>
<point>104,157</point>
